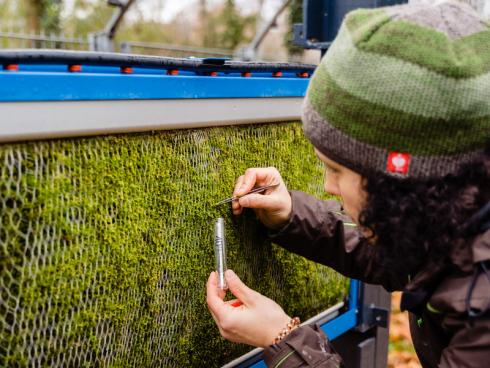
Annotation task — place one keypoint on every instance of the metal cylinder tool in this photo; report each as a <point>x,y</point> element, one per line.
<point>220,252</point>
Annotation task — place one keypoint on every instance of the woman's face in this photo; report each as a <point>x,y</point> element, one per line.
<point>345,183</point>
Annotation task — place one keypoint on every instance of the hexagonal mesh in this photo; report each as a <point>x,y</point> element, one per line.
<point>106,244</point>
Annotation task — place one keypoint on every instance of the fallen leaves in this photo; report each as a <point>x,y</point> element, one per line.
<point>401,352</point>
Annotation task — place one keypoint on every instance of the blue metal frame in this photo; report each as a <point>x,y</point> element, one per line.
<point>341,324</point>
<point>99,84</point>
<point>347,320</point>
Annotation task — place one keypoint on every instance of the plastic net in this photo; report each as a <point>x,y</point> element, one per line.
<point>106,244</point>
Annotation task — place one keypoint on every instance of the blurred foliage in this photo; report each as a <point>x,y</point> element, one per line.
<point>42,15</point>
<point>222,26</point>
<point>295,16</point>
<point>32,15</point>
<point>87,17</point>
<point>204,23</point>
<point>50,14</point>
<point>227,27</point>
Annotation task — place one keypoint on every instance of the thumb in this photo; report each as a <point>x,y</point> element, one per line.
<point>238,288</point>
<point>266,202</point>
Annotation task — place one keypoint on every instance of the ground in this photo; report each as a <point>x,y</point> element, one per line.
<point>401,352</point>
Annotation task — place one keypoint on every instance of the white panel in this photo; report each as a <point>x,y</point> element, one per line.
<point>39,120</point>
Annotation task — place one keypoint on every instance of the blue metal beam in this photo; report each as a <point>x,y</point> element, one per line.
<point>348,320</point>
<point>97,85</point>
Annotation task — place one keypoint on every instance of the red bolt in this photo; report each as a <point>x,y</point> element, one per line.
<point>75,68</point>
<point>172,72</point>
<point>126,70</point>
<point>213,74</point>
<point>277,74</point>
<point>11,67</point>
<point>303,75</point>
<point>246,74</point>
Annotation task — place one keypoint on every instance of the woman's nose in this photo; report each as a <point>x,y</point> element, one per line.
<point>331,187</point>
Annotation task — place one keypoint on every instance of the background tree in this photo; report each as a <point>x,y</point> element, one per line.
<point>87,17</point>
<point>234,25</point>
<point>224,24</point>
<point>42,15</point>
<point>203,20</point>
<point>295,16</point>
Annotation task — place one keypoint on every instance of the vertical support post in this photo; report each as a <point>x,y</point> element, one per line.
<point>367,345</point>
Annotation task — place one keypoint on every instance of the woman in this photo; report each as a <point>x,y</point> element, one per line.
<point>399,113</point>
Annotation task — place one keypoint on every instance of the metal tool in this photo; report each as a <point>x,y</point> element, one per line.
<point>255,190</point>
<point>220,252</point>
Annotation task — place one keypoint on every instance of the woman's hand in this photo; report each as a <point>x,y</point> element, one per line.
<point>273,208</point>
<point>255,320</point>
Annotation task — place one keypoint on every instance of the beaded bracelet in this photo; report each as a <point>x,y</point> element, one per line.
<point>287,330</point>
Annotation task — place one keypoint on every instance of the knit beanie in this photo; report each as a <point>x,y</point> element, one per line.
<point>403,90</point>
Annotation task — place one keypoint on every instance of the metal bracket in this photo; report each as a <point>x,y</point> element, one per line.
<point>249,52</point>
<point>104,40</point>
<point>373,316</point>
<point>299,39</point>
<point>322,20</point>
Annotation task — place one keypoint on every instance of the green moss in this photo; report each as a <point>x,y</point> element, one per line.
<point>106,245</point>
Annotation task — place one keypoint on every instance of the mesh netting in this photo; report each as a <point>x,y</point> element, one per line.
<point>106,244</point>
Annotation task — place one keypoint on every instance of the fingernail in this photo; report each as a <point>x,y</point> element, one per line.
<point>230,273</point>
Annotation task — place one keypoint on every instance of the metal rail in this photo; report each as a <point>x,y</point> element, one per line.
<point>56,41</point>
<point>45,38</point>
<point>143,61</point>
<point>50,94</point>
<point>250,51</point>
<point>104,40</point>
<point>127,47</point>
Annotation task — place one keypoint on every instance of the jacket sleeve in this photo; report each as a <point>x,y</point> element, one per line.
<point>319,231</point>
<point>306,346</point>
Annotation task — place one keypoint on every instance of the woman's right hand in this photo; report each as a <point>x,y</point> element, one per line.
<point>273,207</point>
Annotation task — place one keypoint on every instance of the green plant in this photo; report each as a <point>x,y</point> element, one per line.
<point>106,245</point>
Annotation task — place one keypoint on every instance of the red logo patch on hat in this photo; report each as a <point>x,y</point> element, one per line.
<point>398,163</point>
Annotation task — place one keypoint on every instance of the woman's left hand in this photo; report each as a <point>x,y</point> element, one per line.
<point>255,319</point>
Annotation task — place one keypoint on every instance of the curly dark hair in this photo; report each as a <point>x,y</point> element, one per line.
<point>418,222</point>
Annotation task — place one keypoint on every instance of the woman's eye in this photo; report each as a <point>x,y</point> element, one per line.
<point>331,170</point>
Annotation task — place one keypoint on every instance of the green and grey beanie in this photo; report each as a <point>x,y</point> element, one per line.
<point>403,90</point>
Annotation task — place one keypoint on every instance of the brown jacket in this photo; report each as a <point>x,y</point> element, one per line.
<point>443,333</point>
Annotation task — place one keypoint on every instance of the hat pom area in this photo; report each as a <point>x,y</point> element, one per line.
<point>403,90</point>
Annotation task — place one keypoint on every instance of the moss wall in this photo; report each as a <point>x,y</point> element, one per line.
<point>106,244</point>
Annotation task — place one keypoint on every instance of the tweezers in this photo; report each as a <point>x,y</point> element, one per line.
<point>255,190</point>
